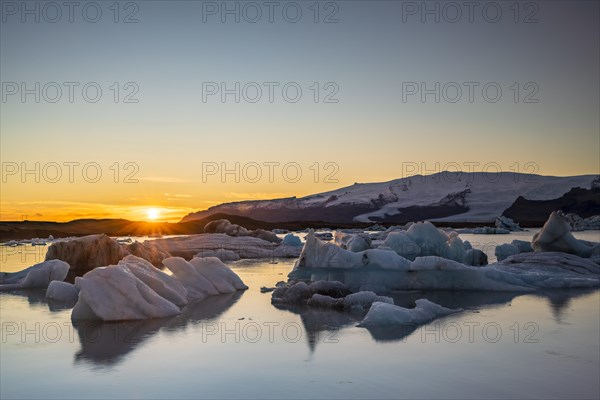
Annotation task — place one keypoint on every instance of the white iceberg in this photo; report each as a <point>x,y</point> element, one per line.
<point>222,254</point>
<point>318,254</point>
<point>556,236</point>
<point>364,300</point>
<point>292,240</point>
<point>243,246</point>
<point>549,270</point>
<point>508,224</point>
<point>163,284</point>
<point>505,250</point>
<point>134,289</point>
<point>385,268</point>
<point>385,314</point>
<point>219,274</point>
<point>62,292</point>
<point>198,287</point>
<point>37,276</point>
<point>114,293</point>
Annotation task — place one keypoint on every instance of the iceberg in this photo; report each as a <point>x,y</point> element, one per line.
<point>196,285</point>
<point>62,292</point>
<point>381,268</point>
<point>475,257</point>
<point>114,293</point>
<point>223,278</point>
<point>299,293</point>
<point>549,270</point>
<point>87,252</point>
<point>148,252</point>
<point>222,254</point>
<point>163,284</point>
<point>505,250</point>
<point>37,276</point>
<point>292,240</point>
<point>244,246</point>
<point>386,314</point>
<point>134,289</point>
<point>226,227</point>
<point>360,301</point>
<point>401,243</point>
<point>556,236</point>
<point>424,239</point>
<point>318,254</point>
<point>503,222</point>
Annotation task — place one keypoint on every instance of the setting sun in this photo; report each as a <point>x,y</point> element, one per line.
<point>153,214</point>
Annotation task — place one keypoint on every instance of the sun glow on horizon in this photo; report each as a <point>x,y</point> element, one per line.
<point>152,214</point>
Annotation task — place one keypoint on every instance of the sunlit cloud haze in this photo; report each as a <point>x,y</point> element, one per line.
<point>158,152</point>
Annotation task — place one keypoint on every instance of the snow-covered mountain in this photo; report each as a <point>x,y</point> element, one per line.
<point>445,196</point>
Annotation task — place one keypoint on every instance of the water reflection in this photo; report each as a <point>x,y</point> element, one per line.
<point>559,300</point>
<point>317,322</point>
<point>34,296</point>
<point>38,297</point>
<point>105,344</point>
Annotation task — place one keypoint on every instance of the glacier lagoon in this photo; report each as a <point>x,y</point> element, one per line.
<point>503,345</point>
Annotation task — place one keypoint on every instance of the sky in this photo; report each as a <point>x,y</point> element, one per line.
<point>110,110</point>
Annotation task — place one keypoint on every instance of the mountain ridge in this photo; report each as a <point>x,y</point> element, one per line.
<point>483,197</point>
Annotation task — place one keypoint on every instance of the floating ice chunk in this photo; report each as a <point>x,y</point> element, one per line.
<point>329,288</point>
<point>323,301</point>
<point>357,243</point>
<point>550,270</point>
<point>222,254</point>
<point>298,293</point>
<point>439,273</point>
<point>363,300</point>
<point>475,257</point>
<point>219,274</point>
<point>87,252</point>
<point>163,284</point>
<point>523,246</point>
<point>147,251</point>
<point>456,249</point>
<point>487,230</point>
<point>62,292</point>
<point>556,236</point>
<point>37,276</point>
<point>244,246</point>
<point>226,227</point>
<point>114,293</point>
<point>505,250</point>
<point>508,224</point>
<point>197,285</point>
<point>381,314</point>
<point>431,240</point>
<point>292,240</point>
<point>402,244</point>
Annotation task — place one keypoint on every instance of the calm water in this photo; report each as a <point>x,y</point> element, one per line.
<point>240,346</point>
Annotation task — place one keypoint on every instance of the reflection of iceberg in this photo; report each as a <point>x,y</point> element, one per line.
<point>319,322</point>
<point>107,343</point>
<point>559,300</point>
